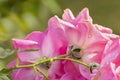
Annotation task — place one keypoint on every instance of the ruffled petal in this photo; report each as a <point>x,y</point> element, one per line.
<point>68,15</point>
<point>83,16</point>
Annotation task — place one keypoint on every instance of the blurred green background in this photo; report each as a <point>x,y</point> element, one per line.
<point>20,17</point>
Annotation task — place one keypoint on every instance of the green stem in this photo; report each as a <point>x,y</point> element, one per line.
<point>73,60</point>
<point>62,57</point>
<point>45,76</point>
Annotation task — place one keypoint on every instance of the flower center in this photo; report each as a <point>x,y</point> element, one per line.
<point>75,52</point>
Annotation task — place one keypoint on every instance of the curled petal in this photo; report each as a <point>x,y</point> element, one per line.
<point>83,16</point>
<point>68,15</point>
<point>36,36</point>
<point>25,44</point>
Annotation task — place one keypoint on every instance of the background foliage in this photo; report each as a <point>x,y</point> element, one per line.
<point>20,17</point>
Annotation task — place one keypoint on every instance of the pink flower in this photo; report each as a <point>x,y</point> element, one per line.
<point>34,47</point>
<point>110,64</point>
<point>82,34</point>
<point>76,36</point>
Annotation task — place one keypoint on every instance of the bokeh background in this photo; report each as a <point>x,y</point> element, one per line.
<point>20,17</point>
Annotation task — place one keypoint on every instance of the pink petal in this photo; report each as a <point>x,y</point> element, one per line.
<point>94,52</point>
<point>35,36</point>
<point>11,64</point>
<point>47,47</point>
<point>85,72</point>
<point>38,76</point>
<point>23,74</point>
<point>25,44</point>
<point>56,22</point>
<point>118,73</point>
<point>56,70</point>
<point>103,29</point>
<point>68,15</point>
<point>29,57</point>
<point>67,76</point>
<point>83,16</point>
<point>111,52</point>
<point>73,36</point>
<point>106,73</point>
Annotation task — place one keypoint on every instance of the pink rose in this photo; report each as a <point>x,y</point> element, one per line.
<point>34,47</point>
<point>82,34</point>
<point>77,36</point>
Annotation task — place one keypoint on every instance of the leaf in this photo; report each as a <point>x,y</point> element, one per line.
<point>5,71</point>
<point>6,52</point>
<point>4,77</point>
<point>5,74</point>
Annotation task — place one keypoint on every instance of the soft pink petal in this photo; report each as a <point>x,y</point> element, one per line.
<point>85,72</point>
<point>38,76</point>
<point>55,39</point>
<point>29,57</point>
<point>83,16</point>
<point>118,73</point>
<point>11,64</point>
<point>73,36</point>
<point>68,76</point>
<point>35,36</point>
<point>47,47</point>
<point>55,23</point>
<point>103,29</point>
<point>106,73</point>
<point>68,15</point>
<point>72,69</point>
<point>94,52</point>
<point>111,52</point>
<point>56,70</point>
<point>23,74</point>
<point>25,44</point>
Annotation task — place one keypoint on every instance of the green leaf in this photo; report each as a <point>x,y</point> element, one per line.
<point>4,53</point>
<point>5,71</point>
<point>5,74</point>
<point>4,77</point>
